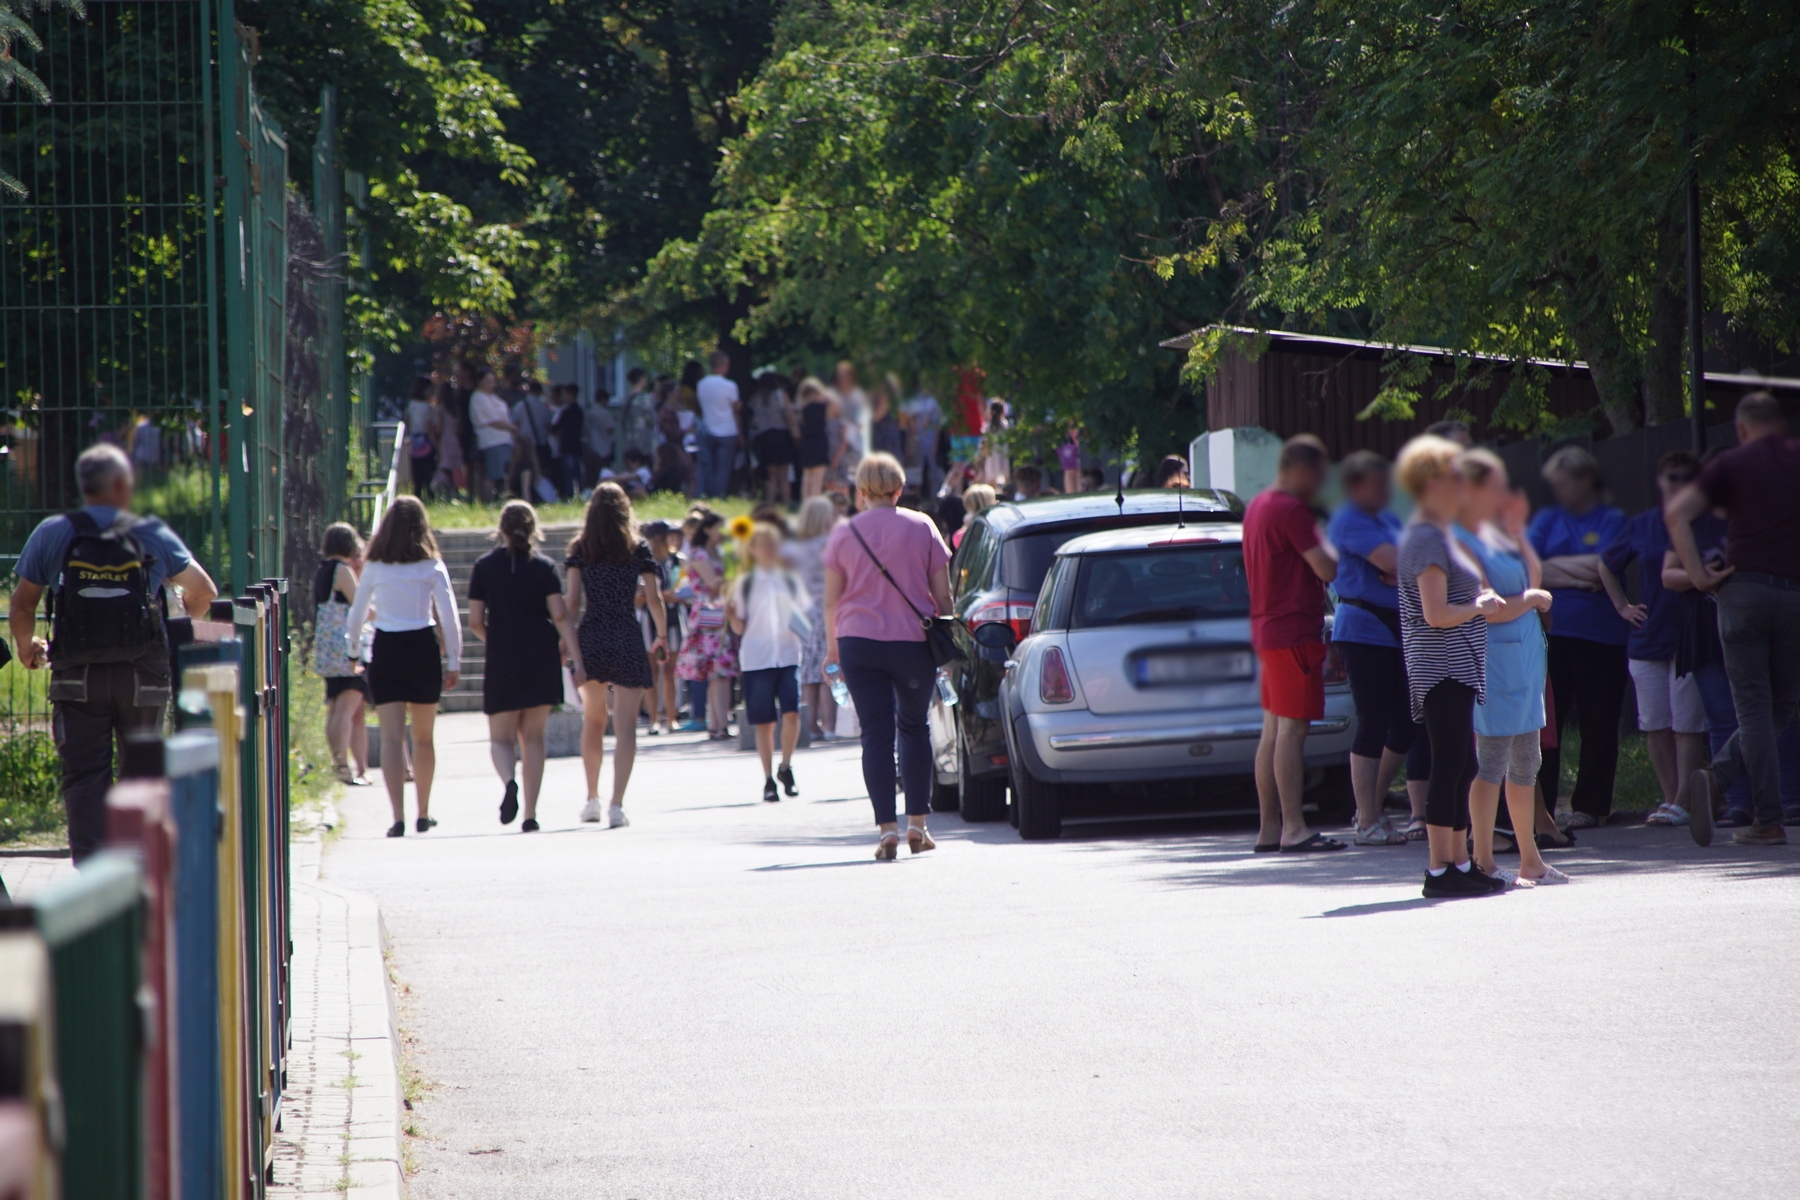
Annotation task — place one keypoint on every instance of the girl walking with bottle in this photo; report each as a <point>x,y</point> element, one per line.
<point>346,688</point>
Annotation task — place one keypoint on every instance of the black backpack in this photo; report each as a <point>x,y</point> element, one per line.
<point>103,611</point>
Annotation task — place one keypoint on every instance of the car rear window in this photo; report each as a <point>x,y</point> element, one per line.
<point>1026,555</point>
<point>1148,586</point>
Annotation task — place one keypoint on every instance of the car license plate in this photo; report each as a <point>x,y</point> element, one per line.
<point>1186,668</point>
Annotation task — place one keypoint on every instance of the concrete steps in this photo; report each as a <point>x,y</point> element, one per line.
<point>460,548</point>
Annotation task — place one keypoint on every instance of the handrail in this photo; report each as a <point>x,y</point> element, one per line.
<point>384,499</point>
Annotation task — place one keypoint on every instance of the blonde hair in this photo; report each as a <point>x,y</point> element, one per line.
<point>817,516</point>
<point>1573,460</point>
<point>1478,465</point>
<point>978,498</point>
<point>880,474</point>
<point>1425,458</point>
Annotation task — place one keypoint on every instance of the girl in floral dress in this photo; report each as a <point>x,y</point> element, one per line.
<point>707,657</point>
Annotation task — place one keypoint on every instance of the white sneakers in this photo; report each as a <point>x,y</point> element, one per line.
<point>615,816</point>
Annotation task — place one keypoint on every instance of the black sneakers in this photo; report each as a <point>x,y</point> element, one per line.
<point>771,794</point>
<point>785,773</point>
<point>1455,885</point>
<point>509,803</point>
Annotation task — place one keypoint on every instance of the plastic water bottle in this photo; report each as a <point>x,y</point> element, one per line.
<point>839,690</point>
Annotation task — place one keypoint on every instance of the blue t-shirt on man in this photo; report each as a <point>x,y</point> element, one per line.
<point>41,561</point>
<point>1645,538</point>
<point>1576,612</point>
<point>1357,534</point>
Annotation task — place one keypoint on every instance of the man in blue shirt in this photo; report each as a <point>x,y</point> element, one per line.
<point>1367,537</point>
<point>95,702</point>
<point>1669,708</point>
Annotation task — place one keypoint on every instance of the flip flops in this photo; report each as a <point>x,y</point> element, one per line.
<point>1315,844</point>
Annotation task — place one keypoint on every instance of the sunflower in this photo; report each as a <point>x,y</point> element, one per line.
<point>741,528</point>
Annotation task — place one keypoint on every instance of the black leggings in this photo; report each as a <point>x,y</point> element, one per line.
<point>1588,678</point>
<point>1383,709</point>
<point>1450,720</point>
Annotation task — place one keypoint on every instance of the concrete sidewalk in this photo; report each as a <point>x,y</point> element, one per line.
<point>340,1117</point>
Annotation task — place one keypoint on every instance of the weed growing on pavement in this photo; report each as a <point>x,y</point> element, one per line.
<point>30,788</point>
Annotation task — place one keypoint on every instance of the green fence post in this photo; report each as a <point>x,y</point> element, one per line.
<point>93,926</point>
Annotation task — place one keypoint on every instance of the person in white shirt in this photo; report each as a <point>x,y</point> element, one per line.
<point>720,433</point>
<point>762,611</point>
<point>494,431</point>
<point>599,418</point>
<point>403,582</point>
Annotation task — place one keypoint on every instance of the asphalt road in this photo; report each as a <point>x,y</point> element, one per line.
<point>730,999</point>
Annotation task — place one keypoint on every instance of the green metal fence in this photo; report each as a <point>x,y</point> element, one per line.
<point>145,296</point>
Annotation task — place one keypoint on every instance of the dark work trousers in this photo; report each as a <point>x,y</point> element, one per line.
<point>1759,628</point>
<point>91,707</point>
<point>1450,721</point>
<point>891,684</point>
<point>1588,679</point>
<point>1383,708</point>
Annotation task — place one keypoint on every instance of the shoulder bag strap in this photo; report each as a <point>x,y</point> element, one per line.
<point>924,621</point>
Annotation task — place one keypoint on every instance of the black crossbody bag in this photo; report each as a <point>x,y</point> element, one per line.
<point>938,638</point>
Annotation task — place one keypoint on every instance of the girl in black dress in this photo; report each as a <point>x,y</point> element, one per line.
<point>816,407</point>
<point>604,566</point>
<point>516,606</point>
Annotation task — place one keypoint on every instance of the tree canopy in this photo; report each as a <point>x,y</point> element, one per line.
<point>1044,190</point>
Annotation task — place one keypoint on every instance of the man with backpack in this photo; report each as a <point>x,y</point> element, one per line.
<point>108,652</point>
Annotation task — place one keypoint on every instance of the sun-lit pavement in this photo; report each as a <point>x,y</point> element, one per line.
<point>730,999</point>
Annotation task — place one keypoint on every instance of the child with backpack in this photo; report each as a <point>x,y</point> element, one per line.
<point>767,610</point>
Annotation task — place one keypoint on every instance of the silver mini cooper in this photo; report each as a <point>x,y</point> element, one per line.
<point>1136,690</point>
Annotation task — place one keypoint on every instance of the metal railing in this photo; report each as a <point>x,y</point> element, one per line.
<point>168,955</point>
<point>377,495</point>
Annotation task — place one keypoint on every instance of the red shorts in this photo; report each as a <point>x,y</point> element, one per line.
<point>1293,681</point>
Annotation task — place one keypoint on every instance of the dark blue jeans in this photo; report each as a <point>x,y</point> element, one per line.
<point>891,684</point>
<point>716,455</point>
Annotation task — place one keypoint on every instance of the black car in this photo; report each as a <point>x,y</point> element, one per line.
<point>995,576</point>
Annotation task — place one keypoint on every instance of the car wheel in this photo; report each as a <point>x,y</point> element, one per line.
<point>1037,805</point>
<point>980,799</point>
<point>1335,799</point>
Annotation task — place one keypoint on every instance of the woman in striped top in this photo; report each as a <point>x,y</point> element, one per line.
<point>1445,642</point>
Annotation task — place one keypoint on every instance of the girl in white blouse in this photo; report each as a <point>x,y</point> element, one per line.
<point>403,582</point>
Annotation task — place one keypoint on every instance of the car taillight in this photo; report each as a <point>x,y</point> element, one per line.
<point>1053,681</point>
<point>1016,613</point>
<point>1335,670</point>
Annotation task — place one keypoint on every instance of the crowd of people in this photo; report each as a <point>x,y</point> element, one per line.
<point>1477,633</point>
<point>488,435</point>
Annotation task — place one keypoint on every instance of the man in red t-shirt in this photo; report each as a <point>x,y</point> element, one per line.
<point>1759,608</point>
<point>1288,565</point>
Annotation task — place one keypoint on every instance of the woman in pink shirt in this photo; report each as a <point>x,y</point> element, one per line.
<point>874,629</point>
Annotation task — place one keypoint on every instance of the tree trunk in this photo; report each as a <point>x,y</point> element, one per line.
<point>1665,390</point>
<point>1611,364</point>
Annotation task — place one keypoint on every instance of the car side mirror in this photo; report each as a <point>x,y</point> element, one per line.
<point>995,635</point>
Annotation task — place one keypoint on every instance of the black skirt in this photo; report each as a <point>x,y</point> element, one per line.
<point>337,685</point>
<point>774,448</point>
<point>406,666</point>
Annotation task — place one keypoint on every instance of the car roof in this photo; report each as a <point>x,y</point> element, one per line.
<point>1010,516</point>
<point>1155,537</point>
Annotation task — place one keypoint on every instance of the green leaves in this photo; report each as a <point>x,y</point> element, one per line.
<point>15,31</point>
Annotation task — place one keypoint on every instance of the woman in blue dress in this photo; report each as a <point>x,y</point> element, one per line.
<point>1510,721</point>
